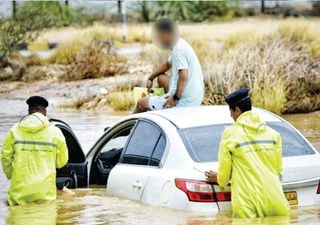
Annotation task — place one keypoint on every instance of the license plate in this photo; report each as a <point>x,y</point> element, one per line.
<point>292,197</point>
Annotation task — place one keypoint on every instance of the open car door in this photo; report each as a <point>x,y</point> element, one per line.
<point>75,172</point>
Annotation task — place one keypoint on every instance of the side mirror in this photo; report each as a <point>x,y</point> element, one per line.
<point>106,128</point>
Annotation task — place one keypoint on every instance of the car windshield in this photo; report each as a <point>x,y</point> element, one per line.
<point>202,143</point>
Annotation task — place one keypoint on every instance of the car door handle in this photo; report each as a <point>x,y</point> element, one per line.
<point>137,185</point>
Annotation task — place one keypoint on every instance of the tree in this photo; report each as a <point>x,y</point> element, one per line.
<point>119,7</point>
<point>189,10</point>
<point>23,28</point>
<point>262,6</point>
<point>316,8</point>
<point>145,11</point>
<point>14,8</point>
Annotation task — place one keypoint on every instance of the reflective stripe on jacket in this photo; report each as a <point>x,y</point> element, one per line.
<point>250,157</point>
<point>31,152</point>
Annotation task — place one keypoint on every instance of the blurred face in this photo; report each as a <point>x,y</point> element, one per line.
<point>165,40</point>
<point>235,113</point>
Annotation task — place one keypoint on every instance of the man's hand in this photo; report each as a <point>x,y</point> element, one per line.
<point>170,102</point>
<point>149,83</point>
<point>211,176</point>
<point>67,192</point>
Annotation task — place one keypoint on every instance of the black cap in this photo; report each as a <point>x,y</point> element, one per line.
<point>37,101</point>
<point>238,96</point>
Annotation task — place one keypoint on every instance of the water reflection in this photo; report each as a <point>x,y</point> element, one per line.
<point>93,206</point>
<point>308,124</point>
<point>45,214</point>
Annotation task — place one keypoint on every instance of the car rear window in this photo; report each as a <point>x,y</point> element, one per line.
<point>203,143</point>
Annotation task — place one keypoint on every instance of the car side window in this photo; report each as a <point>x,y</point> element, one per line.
<point>145,146</point>
<point>116,142</point>
<point>158,152</point>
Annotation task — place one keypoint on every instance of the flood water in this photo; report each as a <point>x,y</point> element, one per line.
<point>93,206</point>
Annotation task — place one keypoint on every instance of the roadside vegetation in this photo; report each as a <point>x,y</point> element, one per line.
<point>280,62</point>
<point>91,60</point>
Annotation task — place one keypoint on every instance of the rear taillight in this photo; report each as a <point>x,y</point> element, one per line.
<point>223,196</point>
<point>197,191</point>
<point>318,191</point>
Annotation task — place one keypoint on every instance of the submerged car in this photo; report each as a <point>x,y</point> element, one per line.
<point>160,158</point>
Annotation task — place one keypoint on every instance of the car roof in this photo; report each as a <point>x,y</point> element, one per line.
<point>186,117</point>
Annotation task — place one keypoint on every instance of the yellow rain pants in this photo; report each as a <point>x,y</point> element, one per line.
<point>250,157</point>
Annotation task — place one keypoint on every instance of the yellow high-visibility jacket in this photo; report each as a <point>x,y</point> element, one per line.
<point>250,157</point>
<point>31,152</point>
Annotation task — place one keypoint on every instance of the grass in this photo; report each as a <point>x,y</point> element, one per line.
<point>66,54</point>
<point>30,60</point>
<point>272,64</point>
<point>93,60</point>
<point>204,50</point>
<point>78,103</point>
<point>135,33</point>
<point>112,34</point>
<point>121,100</point>
<point>301,31</point>
<point>153,54</point>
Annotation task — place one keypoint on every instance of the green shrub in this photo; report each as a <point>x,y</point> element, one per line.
<point>195,11</point>
<point>58,13</point>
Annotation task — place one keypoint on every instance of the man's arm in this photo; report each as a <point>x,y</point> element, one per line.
<point>225,161</point>
<point>7,155</point>
<point>182,65</point>
<point>223,176</point>
<point>182,83</point>
<point>62,151</point>
<point>164,67</point>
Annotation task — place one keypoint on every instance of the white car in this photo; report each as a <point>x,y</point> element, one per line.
<point>160,158</point>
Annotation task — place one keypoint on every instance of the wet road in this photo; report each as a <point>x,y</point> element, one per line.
<point>93,206</point>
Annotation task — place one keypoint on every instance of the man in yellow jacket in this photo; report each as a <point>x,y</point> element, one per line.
<point>31,152</point>
<point>250,158</point>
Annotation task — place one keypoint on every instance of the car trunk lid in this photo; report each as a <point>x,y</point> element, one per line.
<point>299,168</point>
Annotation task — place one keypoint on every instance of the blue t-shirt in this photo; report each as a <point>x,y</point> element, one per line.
<point>183,57</point>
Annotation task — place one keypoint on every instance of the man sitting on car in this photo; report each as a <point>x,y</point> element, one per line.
<point>186,86</point>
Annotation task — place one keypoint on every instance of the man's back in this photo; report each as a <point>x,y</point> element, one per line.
<point>31,152</point>
<point>184,57</point>
<point>256,155</point>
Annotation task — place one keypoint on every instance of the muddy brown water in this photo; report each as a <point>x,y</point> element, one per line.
<point>93,206</point>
